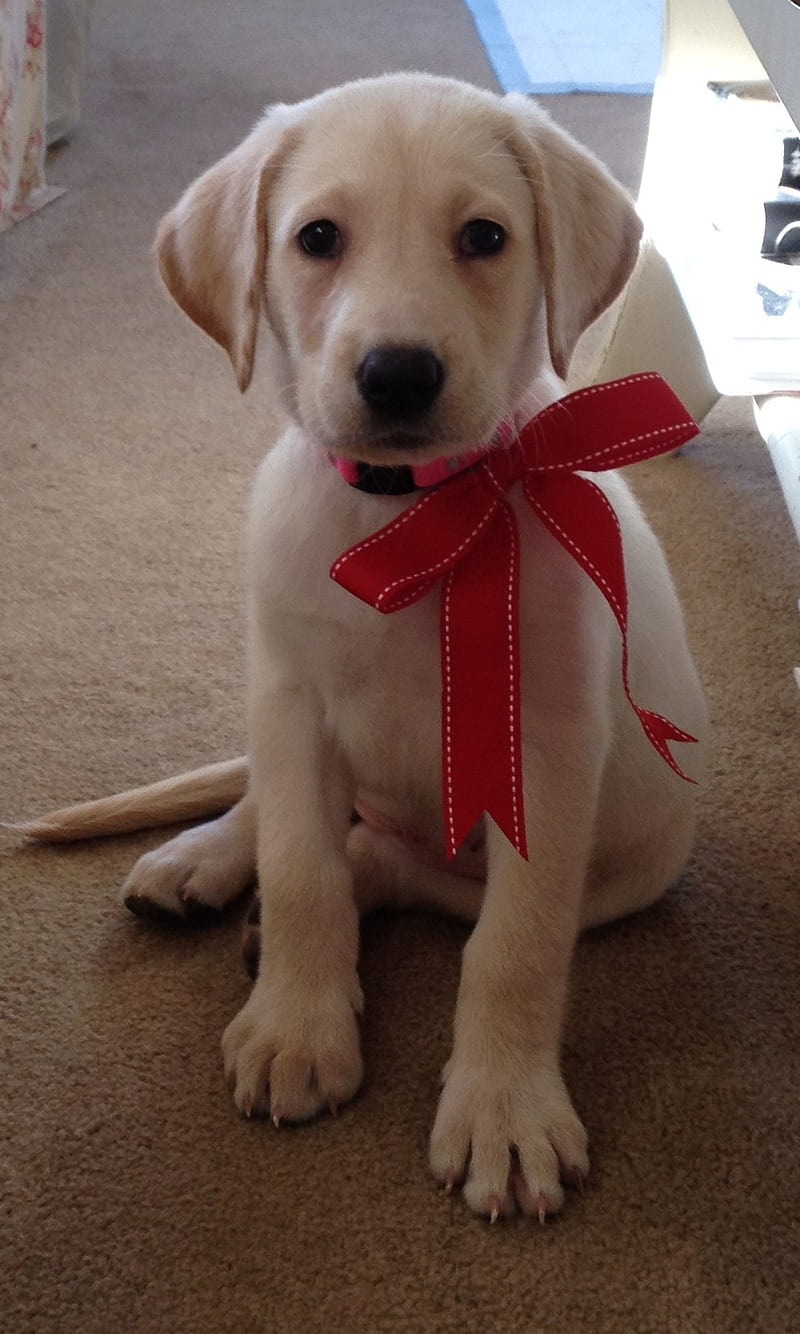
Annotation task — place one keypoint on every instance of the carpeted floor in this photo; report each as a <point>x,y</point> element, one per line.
<point>133,1198</point>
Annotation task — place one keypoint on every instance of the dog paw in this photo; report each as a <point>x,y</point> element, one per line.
<point>510,1143</point>
<point>190,878</point>
<point>290,1057</point>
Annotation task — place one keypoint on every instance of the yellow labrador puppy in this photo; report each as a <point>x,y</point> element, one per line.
<point>426,255</point>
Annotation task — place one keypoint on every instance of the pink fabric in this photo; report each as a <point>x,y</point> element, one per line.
<point>424,474</point>
<point>438,470</point>
<point>22,110</point>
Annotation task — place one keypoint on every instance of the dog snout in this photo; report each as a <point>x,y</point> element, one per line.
<point>400,382</point>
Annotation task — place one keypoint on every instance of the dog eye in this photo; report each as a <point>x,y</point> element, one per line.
<point>321,239</point>
<point>482,237</point>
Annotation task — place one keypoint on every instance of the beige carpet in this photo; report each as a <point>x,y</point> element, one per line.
<point>133,1198</point>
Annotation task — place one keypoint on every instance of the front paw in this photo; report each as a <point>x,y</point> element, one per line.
<point>289,1055</point>
<point>510,1138</point>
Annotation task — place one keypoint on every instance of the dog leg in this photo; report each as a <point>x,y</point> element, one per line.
<point>386,875</point>
<point>294,1049</point>
<point>197,873</point>
<point>638,875</point>
<point>505,1126</point>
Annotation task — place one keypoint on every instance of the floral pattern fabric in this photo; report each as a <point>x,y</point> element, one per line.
<point>22,110</point>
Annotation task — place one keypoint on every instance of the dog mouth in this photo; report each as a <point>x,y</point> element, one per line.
<point>401,445</point>
<point>393,448</point>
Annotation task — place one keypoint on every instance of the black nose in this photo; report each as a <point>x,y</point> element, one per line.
<point>400,381</point>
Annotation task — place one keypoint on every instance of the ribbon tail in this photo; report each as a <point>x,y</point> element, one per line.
<point>481,744</point>
<point>660,731</point>
<point>578,514</point>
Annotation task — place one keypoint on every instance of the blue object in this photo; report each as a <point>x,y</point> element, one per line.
<point>568,46</point>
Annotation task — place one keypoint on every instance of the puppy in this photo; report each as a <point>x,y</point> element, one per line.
<point>426,255</point>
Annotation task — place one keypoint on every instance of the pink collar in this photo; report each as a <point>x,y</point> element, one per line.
<point>402,479</point>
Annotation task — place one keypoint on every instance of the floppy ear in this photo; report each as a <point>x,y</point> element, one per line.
<point>588,229</point>
<point>211,247</point>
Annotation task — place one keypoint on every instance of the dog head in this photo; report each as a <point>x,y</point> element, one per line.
<point>421,249</point>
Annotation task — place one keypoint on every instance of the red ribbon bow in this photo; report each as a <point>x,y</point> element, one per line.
<point>465,532</point>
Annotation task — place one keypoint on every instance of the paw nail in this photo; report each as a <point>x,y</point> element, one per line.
<point>541,1208</point>
<point>276,1120</point>
<point>248,1105</point>
<point>333,1107</point>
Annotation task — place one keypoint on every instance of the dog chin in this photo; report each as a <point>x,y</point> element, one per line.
<point>393,449</point>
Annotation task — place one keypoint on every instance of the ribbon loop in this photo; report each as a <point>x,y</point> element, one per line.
<point>398,564</point>
<point>464,532</point>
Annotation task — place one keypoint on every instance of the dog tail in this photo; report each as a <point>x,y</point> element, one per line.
<point>192,796</point>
